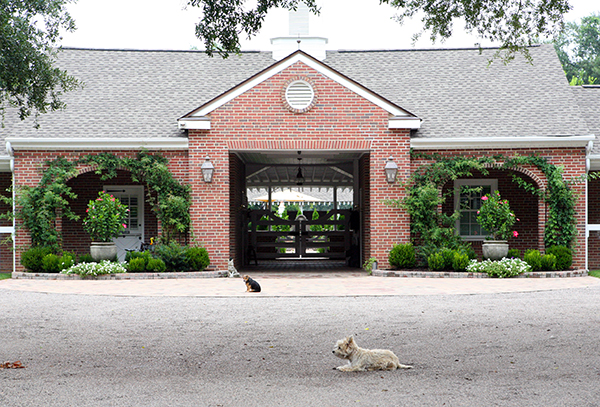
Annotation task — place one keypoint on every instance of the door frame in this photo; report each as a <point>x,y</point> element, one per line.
<point>135,190</point>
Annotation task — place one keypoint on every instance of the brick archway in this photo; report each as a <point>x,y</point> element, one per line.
<point>86,185</point>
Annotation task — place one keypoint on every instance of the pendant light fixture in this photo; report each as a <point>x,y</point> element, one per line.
<point>299,175</point>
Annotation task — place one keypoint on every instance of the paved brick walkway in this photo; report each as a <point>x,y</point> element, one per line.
<point>298,285</point>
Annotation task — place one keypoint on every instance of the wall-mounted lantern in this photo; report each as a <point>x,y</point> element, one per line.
<point>391,170</point>
<point>208,169</point>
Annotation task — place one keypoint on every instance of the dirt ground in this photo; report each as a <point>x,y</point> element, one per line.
<point>506,349</point>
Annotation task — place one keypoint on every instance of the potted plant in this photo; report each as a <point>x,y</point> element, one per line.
<point>497,219</point>
<point>105,220</point>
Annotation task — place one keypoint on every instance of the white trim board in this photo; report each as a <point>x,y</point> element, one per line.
<point>450,143</point>
<point>99,143</point>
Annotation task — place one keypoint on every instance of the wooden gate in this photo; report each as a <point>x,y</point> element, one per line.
<point>271,237</point>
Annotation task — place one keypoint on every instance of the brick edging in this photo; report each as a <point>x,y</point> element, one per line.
<point>121,276</point>
<point>451,274</point>
<point>222,274</point>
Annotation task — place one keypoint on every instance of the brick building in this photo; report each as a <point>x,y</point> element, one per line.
<point>335,119</point>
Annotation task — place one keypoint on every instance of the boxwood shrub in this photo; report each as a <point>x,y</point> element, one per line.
<point>564,256</point>
<point>136,265</point>
<point>402,256</point>
<point>51,263</point>
<point>197,258</point>
<point>548,262</point>
<point>460,261</point>
<point>436,261</point>
<point>155,266</point>
<point>534,259</point>
<point>32,258</point>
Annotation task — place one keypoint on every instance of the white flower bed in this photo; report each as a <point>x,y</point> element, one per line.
<point>95,269</point>
<point>502,268</point>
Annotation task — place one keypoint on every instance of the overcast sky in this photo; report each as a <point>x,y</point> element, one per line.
<point>167,24</point>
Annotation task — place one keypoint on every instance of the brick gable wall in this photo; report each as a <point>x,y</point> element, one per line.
<point>258,119</point>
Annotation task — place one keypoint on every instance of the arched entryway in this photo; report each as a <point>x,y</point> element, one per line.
<point>526,206</point>
<point>298,207</point>
<point>141,223</point>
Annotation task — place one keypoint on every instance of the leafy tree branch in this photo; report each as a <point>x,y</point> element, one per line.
<point>578,48</point>
<point>224,21</point>
<point>515,24</point>
<point>29,34</point>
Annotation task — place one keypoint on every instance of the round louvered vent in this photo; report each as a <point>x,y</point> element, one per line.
<point>299,95</point>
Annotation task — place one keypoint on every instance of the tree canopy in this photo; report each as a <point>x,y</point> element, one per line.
<point>578,48</point>
<point>29,33</point>
<point>514,24</point>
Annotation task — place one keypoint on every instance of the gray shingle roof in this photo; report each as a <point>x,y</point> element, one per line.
<point>457,94</point>
<point>138,93</point>
<point>588,99</point>
<point>143,93</point>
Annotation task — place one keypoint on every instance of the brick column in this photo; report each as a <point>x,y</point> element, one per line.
<point>210,201</point>
<point>389,225</point>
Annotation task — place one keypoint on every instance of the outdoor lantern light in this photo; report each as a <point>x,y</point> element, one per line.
<point>391,170</point>
<point>208,169</point>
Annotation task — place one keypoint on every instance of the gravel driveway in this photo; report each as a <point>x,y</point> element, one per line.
<point>516,349</point>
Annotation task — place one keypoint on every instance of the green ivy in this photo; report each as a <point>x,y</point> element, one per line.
<point>561,228</point>
<point>169,199</point>
<point>40,206</point>
<point>437,229</point>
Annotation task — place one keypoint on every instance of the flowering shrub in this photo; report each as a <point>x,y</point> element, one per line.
<point>499,268</point>
<point>105,218</point>
<point>496,217</point>
<point>95,269</point>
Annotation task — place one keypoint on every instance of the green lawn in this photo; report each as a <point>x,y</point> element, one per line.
<point>594,273</point>
<point>4,276</point>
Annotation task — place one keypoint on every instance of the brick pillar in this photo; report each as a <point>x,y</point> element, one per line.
<point>389,225</point>
<point>210,201</point>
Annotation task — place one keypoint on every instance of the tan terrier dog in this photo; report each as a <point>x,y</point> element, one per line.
<point>360,360</point>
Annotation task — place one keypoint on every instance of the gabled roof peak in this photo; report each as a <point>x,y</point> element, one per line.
<point>198,119</point>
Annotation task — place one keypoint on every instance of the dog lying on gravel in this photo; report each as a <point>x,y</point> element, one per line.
<point>360,360</point>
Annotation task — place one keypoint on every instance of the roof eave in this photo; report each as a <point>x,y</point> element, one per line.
<point>594,163</point>
<point>401,122</point>
<point>100,143</point>
<point>448,143</point>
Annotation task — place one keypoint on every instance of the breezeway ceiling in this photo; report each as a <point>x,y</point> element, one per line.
<point>280,168</point>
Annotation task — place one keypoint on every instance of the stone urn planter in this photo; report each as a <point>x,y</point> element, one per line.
<point>494,249</point>
<point>103,251</point>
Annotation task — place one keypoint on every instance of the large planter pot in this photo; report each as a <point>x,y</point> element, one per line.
<point>103,251</point>
<point>494,249</point>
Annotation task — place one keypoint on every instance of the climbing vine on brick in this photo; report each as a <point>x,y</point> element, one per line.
<point>561,228</point>
<point>435,228</point>
<point>169,199</point>
<point>40,206</point>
